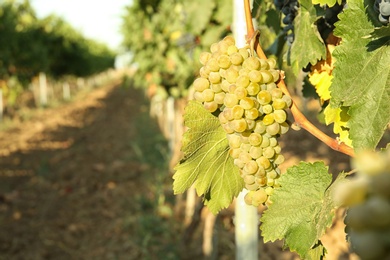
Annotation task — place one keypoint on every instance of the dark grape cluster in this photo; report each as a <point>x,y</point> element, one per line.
<point>368,198</point>
<point>289,10</point>
<point>325,25</point>
<point>241,90</point>
<point>382,7</point>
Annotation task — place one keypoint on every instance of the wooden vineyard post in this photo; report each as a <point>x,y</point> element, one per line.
<point>42,89</point>
<point>1,105</point>
<point>246,219</point>
<point>65,91</point>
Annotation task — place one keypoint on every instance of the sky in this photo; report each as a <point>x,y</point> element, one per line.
<point>96,19</point>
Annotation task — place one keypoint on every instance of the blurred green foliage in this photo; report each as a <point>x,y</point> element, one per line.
<point>166,37</point>
<point>29,45</point>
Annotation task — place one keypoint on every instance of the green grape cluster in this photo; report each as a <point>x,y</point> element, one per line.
<point>368,198</point>
<point>241,90</point>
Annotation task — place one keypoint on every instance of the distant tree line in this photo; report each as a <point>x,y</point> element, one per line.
<point>29,45</point>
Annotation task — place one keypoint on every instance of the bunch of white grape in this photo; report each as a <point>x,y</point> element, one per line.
<point>368,198</point>
<point>240,88</point>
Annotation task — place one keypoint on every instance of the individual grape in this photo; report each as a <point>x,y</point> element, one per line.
<point>250,179</point>
<point>253,89</point>
<point>252,113</point>
<point>214,77</point>
<point>270,182</point>
<point>212,64</point>
<point>252,187</point>
<point>244,52</point>
<point>227,128</point>
<point>245,147</point>
<point>268,152</point>
<point>265,142</point>
<point>264,65</point>
<point>239,125</point>
<point>276,93</point>
<point>240,92</point>
<point>251,167</point>
<point>204,72</point>
<point>259,197</point>
<point>243,72</point>
<point>266,76</point>
<point>222,118</point>
<point>204,57</point>
<point>231,75</point>
<point>238,112</point>
<point>208,95</point>
<point>255,139</point>
<point>262,181</point>
<point>230,100</point>
<point>264,97</point>
<point>224,61</point>
<point>288,100</point>
<point>234,141</point>
<point>255,76</point>
<point>279,103</point>
<point>264,162</point>
<point>232,49</point>
<point>232,88</point>
<point>201,84</point>
<point>225,85</point>
<point>214,47</point>
<point>223,47</point>
<point>280,116</point>
<point>247,103</point>
<point>272,174</point>
<point>236,58</point>
<point>284,127</point>
<point>255,152</point>
<point>251,63</point>
<point>250,123</point>
<point>275,75</point>
<point>279,159</point>
<point>216,87</point>
<point>271,63</point>
<point>273,142</point>
<point>219,97</point>
<point>242,81</point>
<point>198,96</point>
<point>267,109</point>
<point>229,40</point>
<point>239,163</point>
<point>211,106</point>
<point>245,157</point>
<point>260,127</point>
<point>268,119</point>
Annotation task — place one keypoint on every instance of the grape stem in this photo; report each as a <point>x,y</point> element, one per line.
<point>300,119</point>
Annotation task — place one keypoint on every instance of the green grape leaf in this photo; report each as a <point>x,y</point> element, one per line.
<point>199,14</point>
<point>308,47</point>
<point>362,75</point>
<point>317,252</point>
<point>211,35</point>
<point>301,210</point>
<point>329,3</point>
<point>224,12</point>
<point>207,163</point>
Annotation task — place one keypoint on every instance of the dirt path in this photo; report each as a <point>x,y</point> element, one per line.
<point>88,180</point>
<point>72,180</point>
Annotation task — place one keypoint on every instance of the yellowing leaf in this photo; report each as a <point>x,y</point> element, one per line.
<point>322,82</point>
<point>339,117</point>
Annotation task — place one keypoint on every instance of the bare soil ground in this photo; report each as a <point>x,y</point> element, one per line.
<point>90,180</point>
